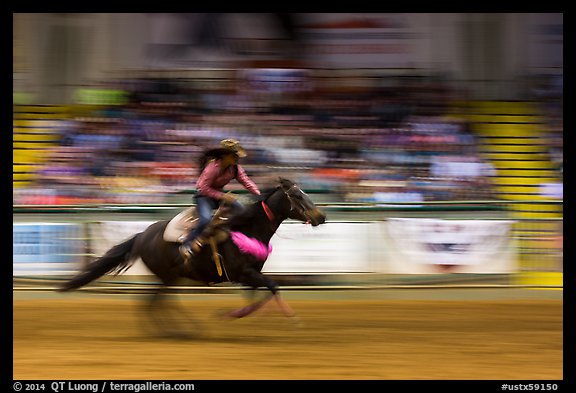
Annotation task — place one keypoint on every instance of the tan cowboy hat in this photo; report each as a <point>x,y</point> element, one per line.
<point>234,145</point>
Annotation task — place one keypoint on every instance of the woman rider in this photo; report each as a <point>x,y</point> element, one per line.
<point>218,167</point>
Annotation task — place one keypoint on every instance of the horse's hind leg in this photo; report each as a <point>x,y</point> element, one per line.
<point>157,307</point>
<point>169,318</point>
<point>154,309</point>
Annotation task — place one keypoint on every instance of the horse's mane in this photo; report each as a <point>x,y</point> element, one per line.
<point>265,194</point>
<point>282,182</point>
<point>244,218</point>
<point>247,216</point>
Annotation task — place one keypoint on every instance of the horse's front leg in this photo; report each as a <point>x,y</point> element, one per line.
<point>255,279</point>
<point>284,307</point>
<point>249,309</point>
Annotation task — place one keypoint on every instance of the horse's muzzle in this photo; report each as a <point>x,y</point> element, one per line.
<point>316,217</point>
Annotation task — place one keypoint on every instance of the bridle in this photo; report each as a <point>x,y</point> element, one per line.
<point>295,203</point>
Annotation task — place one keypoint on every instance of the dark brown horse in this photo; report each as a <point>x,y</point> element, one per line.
<point>255,226</point>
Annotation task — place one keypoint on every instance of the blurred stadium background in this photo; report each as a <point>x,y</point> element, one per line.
<point>398,125</point>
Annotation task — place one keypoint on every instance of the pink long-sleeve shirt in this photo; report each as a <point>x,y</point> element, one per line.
<point>213,179</point>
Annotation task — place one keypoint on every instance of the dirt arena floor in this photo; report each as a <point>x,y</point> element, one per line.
<point>109,337</point>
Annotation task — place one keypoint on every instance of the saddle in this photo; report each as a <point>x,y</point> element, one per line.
<point>215,233</point>
<point>186,220</point>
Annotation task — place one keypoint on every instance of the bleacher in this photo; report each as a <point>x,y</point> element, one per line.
<point>36,129</point>
<point>513,138</point>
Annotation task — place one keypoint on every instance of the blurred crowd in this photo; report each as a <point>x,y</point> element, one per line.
<point>386,145</point>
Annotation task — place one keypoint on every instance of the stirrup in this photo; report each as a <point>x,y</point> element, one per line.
<point>196,246</point>
<point>186,251</point>
<point>189,249</point>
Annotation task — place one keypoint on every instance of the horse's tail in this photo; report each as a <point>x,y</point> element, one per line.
<point>117,259</point>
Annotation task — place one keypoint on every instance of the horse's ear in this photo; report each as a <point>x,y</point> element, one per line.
<point>284,183</point>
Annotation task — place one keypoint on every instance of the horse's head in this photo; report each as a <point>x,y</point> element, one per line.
<point>296,204</point>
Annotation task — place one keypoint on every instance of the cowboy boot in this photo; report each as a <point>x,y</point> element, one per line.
<point>190,248</point>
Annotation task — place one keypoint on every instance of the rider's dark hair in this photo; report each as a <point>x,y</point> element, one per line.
<point>213,154</point>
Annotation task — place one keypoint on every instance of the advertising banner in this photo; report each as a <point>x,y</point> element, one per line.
<point>421,246</point>
<point>329,248</point>
<point>395,246</point>
<point>46,248</point>
<point>361,40</point>
<point>296,248</point>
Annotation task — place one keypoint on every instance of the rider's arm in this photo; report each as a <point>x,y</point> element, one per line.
<point>209,173</point>
<point>243,179</point>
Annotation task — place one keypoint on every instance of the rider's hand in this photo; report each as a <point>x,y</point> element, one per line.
<point>229,198</point>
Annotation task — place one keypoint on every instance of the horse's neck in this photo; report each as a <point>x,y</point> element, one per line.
<point>257,224</point>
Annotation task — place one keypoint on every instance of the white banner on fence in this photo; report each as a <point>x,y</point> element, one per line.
<point>396,246</point>
<point>421,246</point>
<point>329,248</point>
<point>106,234</point>
<point>297,248</point>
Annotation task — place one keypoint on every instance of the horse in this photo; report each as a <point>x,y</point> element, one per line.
<point>255,225</point>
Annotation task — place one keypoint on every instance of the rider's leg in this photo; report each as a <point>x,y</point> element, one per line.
<point>204,207</point>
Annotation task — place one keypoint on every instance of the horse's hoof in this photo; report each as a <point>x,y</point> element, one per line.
<point>296,321</point>
<point>225,315</point>
<point>63,288</point>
